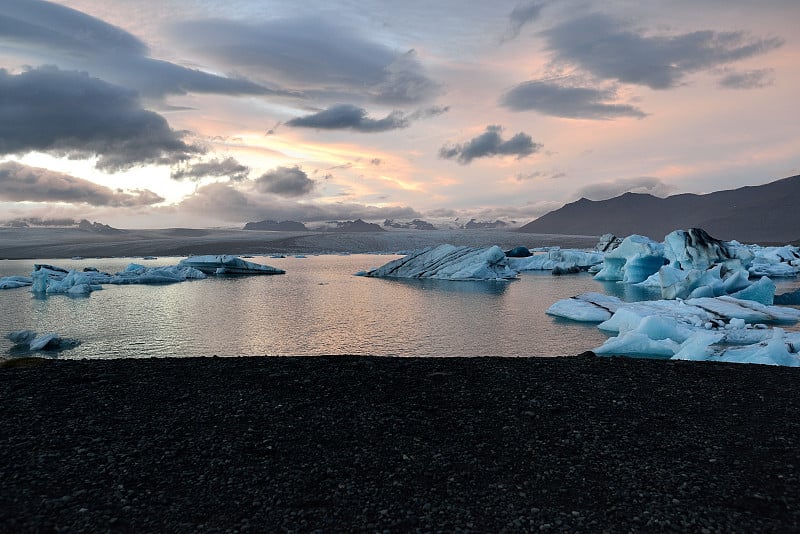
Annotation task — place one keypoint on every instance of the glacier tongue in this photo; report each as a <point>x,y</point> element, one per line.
<point>449,262</point>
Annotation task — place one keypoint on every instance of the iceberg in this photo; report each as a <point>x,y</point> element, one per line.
<point>633,261</point>
<point>692,264</point>
<point>557,258</point>
<point>49,280</point>
<point>449,262</point>
<point>13,282</point>
<point>36,342</point>
<point>710,328</point>
<point>139,274</point>
<point>227,264</point>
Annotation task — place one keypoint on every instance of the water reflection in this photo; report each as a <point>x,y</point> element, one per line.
<point>484,287</point>
<point>629,292</point>
<point>317,307</point>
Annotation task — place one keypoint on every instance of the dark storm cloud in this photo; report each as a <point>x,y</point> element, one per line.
<point>751,79</point>
<point>520,16</point>
<point>50,33</point>
<point>349,117</point>
<point>286,182</point>
<point>70,114</point>
<point>20,183</point>
<point>645,184</point>
<point>225,201</point>
<point>569,102</point>
<point>609,49</point>
<point>314,55</point>
<point>490,143</point>
<point>215,168</point>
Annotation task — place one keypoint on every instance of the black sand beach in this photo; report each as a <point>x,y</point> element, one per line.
<point>366,444</point>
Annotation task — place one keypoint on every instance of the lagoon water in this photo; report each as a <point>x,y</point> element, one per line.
<point>318,307</point>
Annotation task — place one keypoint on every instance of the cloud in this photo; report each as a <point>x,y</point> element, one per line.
<point>21,183</point>
<point>606,190</point>
<point>490,143</point>
<point>313,55</point>
<point>349,117</point>
<point>568,102</point>
<point>67,113</point>
<point>50,33</point>
<point>226,202</point>
<point>607,48</point>
<point>285,182</point>
<point>751,79</point>
<point>404,82</point>
<point>519,17</point>
<point>214,168</point>
<point>553,175</point>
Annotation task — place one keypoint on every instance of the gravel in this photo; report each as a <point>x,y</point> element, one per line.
<point>578,444</point>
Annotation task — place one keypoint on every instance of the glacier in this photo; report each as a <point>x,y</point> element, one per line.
<point>449,262</point>
<point>228,264</point>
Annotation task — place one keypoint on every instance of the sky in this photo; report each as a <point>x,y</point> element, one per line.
<point>207,113</point>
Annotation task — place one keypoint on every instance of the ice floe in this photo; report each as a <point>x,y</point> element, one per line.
<point>36,342</point>
<point>708,328</point>
<point>13,282</point>
<point>227,264</point>
<point>449,262</point>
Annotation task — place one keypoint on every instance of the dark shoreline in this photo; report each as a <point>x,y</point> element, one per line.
<point>346,443</point>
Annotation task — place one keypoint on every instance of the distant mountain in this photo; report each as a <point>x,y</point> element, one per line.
<point>416,224</point>
<point>286,226</point>
<point>98,228</point>
<point>767,213</point>
<point>351,226</point>
<point>472,224</point>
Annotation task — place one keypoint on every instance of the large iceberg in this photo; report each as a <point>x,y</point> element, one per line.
<point>554,258</point>
<point>227,264</point>
<point>449,262</point>
<point>692,264</point>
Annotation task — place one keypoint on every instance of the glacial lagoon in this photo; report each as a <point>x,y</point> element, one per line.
<point>318,307</point>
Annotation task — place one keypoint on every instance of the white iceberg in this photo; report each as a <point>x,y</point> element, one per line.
<point>448,262</point>
<point>227,264</point>
<point>557,258</point>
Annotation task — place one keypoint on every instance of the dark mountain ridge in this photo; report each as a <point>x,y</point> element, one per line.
<point>768,213</point>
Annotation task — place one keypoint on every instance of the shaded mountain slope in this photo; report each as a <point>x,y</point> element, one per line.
<point>765,214</point>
